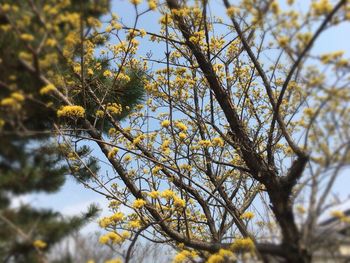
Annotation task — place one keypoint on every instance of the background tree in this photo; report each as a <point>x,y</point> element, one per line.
<point>84,247</point>
<point>231,140</point>
<point>31,162</point>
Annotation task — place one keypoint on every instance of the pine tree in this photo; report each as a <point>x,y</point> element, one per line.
<point>33,162</point>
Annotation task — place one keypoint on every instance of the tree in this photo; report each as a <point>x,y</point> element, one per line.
<point>244,127</point>
<point>30,163</point>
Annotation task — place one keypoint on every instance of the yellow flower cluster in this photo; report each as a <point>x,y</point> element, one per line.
<point>100,114</point>
<point>114,237</point>
<point>243,244</point>
<point>232,10</point>
<point>127,158</point>
<point>222,256</point>
<point>13,102</point>
<point>117,260</point>
<point>205,143</point>
<point>217,141</point>
<point>71,111</point>
<point>182,136</point>
<point>322,7</point>
<point>27,37</point>
<point>165,123</point>
<point>340,216</point>
<point>112,152</point>
<point>152,4</point>
<point>179,203</point>
<point>114,108</point>
<point>134,224</point>
<point>168,194</point>
<point>197,37</point>
<point>135,2</point>
<point>107,73</point>
<point>181,126</point>
<point>247,215</point>
<point>184,256</point>
<point>138,139</point>
<point>283,41</point>
<point>153,194</point>
<point>47,89</point>
<point>331,57</point>
<point>165,146</point>
<point>156,169</point>
<point>111,220</point>
<point>138,203</point>
<point>51,42</point>
<point>39,244</point>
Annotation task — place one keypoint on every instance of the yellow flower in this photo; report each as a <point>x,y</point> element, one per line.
<point>197,37</point>
<point>179,203</point>
<point>51,42</point>
<point>113,152</point>
<point>71,111</point>
<point>275,8</point>
<point>154,194</point>
<point>138,139</point>
<point>322,7</point>
<point>27,37</point>
<point>168,194</point>
<point>165,123</point>
<point>182,136</point>
<point>247,215</point>
<point>222,256</point>
<point>107,73</point>
<point>135,2</point>
<point>217,141</point>
<point>117,260</point>
<point>125,234</point>
<point>283,41</point>
<point>103,239</point>
<point>134,224</point>
<point>39,244</point>
<point>127,158</point>
<point>243,244</point>
<point>338,214</point>
<point>139,203</point>
<point>165,145</point>
<point>90,72</point>
<point>205,143</point>
<point>232,10</point>
<point>183,256</point>
<point>5,7</point>
<point>10,103</point>
<point>114,237</point>
<point>156,169</point>
<point>104,222</point>
<point>309,111</point>
<point>216,259</point>
<point>181,126</point>
<point>117,217</point>
<point>100,114</point>
<point>47,89</point>
<point>152,4</point>
<point>17,96</point>
<point>226,253</point>
<point>300,209</point>
<point>114,108</point>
